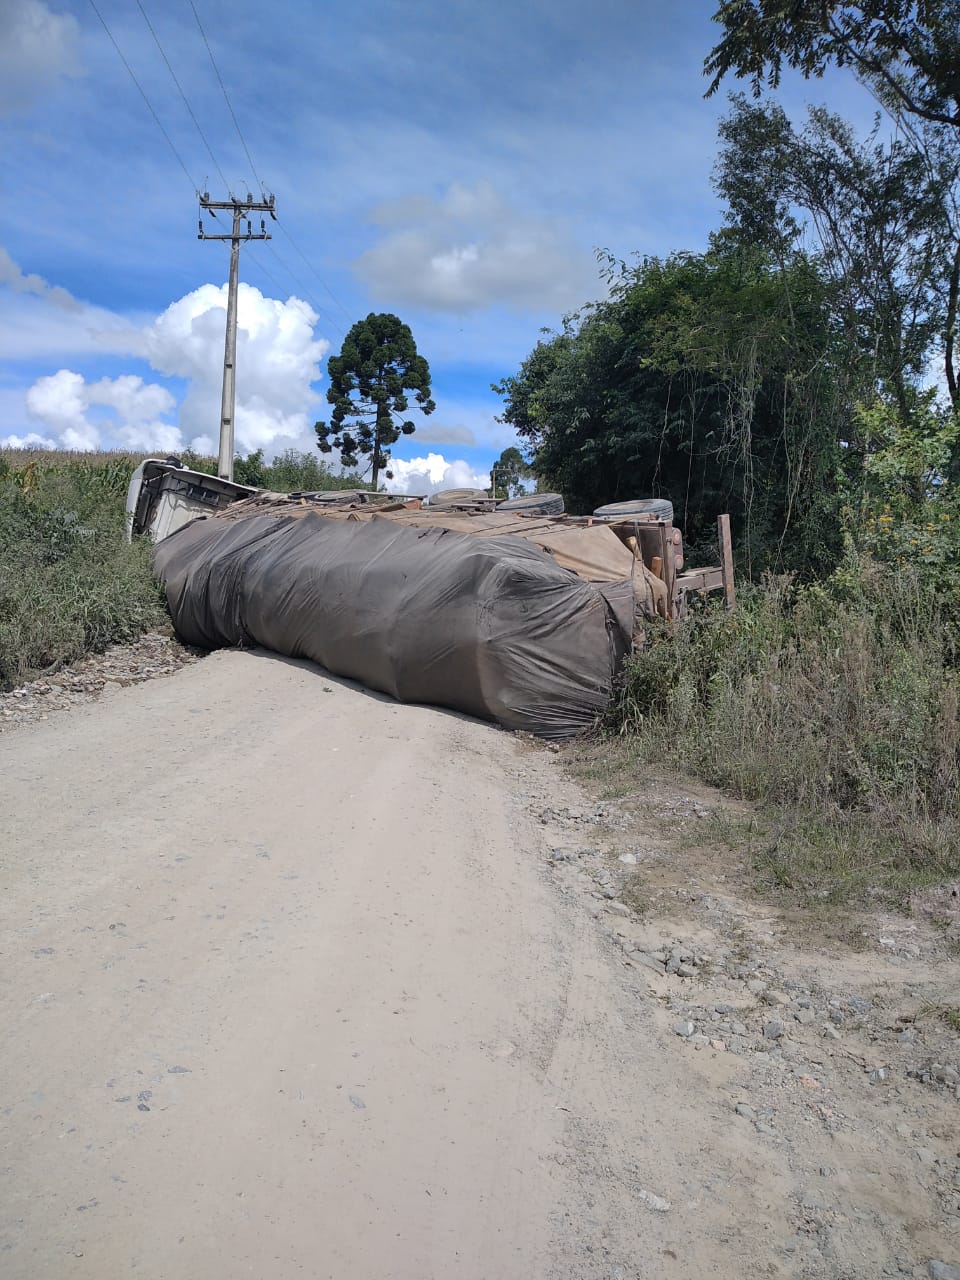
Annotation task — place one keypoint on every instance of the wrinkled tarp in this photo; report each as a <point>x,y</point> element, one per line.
<point>593,552</point>
<point>490,626</point>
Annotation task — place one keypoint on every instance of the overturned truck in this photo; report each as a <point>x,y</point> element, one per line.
<point>520,619</point>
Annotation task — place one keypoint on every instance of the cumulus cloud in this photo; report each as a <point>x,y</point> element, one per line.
<point>37,48</point>
<point>63,402</point>
<point>30,441</point>
<point>469,250</point>
<point>433,473</point>
<point>278,360</point>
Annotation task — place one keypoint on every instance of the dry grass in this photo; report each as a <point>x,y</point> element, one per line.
<point>836,711</point>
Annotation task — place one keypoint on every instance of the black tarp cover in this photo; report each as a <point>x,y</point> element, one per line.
<point>490,626</point>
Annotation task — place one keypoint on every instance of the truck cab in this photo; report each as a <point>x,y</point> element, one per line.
<point>163,495</point>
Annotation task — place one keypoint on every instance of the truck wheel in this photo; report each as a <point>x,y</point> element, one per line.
<point>534,504</point>
<point>659,508</point>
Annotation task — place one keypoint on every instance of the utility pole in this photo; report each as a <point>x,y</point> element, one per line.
<point>241,209</point>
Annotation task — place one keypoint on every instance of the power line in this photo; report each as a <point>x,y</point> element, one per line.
<point>226,97</point>
<point>256,265</point>
<point>306,292</point>
<point>186,103</point>
<point>143,95</point>
<point>310,267</point>
<point>253,167</point>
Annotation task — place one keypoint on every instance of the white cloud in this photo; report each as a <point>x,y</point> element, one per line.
<point>37,48</point>
<point>470,250</point>
<point>30,441</point>
<point>433,473</point>
<point>277,363</point>
<point>10,274</point>
<point>63,400</point>
<point>278,359</point>
<point>40,321</point>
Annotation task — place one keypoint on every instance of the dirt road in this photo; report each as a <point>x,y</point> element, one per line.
<point>292,987</point>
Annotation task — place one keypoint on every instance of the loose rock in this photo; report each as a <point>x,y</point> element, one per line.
<point>653,1201</point>
<point>938,1270</point>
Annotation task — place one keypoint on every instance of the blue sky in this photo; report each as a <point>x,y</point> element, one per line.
<point>456,163</point>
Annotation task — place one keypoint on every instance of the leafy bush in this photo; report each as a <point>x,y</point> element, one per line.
<point>292,471</point>
<point>69,583</point>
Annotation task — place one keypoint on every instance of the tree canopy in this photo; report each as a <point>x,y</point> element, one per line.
<point>877,215</point>
<point>907,50</point>
<point>509,472</point>
<point>377,365</point>
<point>714,379</point>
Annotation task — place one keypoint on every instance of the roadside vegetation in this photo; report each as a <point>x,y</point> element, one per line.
<point>69,582</point>
<point>800,374</point>
<point>835,707</point>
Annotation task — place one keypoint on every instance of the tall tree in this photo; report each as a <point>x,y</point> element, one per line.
<point>509,472</point>
<point>876,214</point>
<point>907,52</point>
<point>377,365</point>
<point>718,380</point>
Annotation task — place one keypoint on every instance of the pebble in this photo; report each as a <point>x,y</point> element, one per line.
<point>773,1030</point>
<point>699,1041</point>
<point>719,1045</point>
<point>858,1005</point>
<point>648,961</point>
<point>765,1129</point>
<point>770,996</point>
<point>756,986</point>
<point>619,908</point>
<point>938,1270</point>
<point>907,1036</point>
<point>748,1113</point>
<point>685,1029</point>
<point>831,1033</point>
<point>739,1028</point>
<point>686,971</point>
<point>149,656</point>
<point>804,1016</point>
<point>879,1075</point>
<point>654,1201</point>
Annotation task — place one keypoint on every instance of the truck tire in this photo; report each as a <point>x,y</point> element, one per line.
<point>457,497</point>
<point>659,508</point>
<point>534,504</point>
